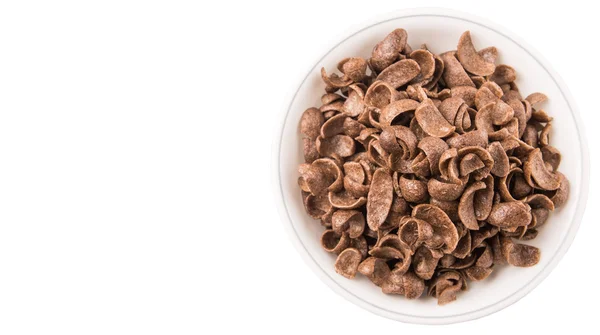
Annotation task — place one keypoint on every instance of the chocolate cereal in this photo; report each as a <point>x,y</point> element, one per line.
<point>428,171</point>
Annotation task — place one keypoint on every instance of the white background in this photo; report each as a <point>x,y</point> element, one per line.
<point>135,192</point>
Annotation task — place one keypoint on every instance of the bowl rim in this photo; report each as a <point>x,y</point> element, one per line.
<point>507,301</point>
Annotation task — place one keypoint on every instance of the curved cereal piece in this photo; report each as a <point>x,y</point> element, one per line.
<point>445,191</point>
<point>391,247</point>
<point>510,214</point>
<point>416,93</point>
<point>344,200</point>
<point>445,287</point>
<point>514,186</point>
<point>441,95</point>
<point>552,156</point>
<point>413,190</point>
<point>483,156</point>
<point>355,179</point>
<point>386,52</point>
<point>545,135</point>
<point>376,154</point>
<point>367,135</point>
<point>334,242</point>
<point>334,80</point>
<point>322,175</point>
<point>449,108</point>
<point>463,263</point>
<point>503,74</point>
<point>316,206</point>
<point>399,140</point>
<point>484,199</point>
<point>562,193</point>
<point>437,74</point>
<point>470,59</point>
<point>519,113</point>
<point>448,207</point>
<point>416,129</point>
<point>380,94</point>
<point>477,138</point>
<point>501,113</point>
<point>311,122</point>
<point>310,150</point>
<point>426,62</point>
<point>489,54</point>
<point>530,135</point>
<point>400,73</point>
<point>347,262</point>
<point>341,145</point>
<point>355,104</point>
<point>431,120</point>
<point>352,127</point>
<point>466,93</point>
<point>448,166</point>
<point>413,232</point>
<point>536,98</point>
<point>500,158</point>
<point>396,163</point>
<point>328,98</point>
<point>520,255</point>
<point>432,149</point>
<point>478,80</point>
<point>397,112</point>
<point>444,231</point>
<point>333,126</point>
<point>466,210</point>
<point>539,201</point>
<point>479,236</point>
<point>536,173</point>
<point>376,269</point>
<point>487,93</point>
<point>477,273</point>
<point>373,115</point>
<point>379,199</point>
<point>463,248</point>
<point>454,74</point>
<point>425,262</point>
<point>447,261</point>
<point>360,244</point>
<point>540,116</point>
<point>420,166</point>
<point>407,284</point>
<point>354,68</point>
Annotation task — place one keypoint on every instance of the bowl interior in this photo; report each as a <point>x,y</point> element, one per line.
<point>440,33</point>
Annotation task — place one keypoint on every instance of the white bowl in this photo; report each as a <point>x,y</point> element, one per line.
<point>440,29</point>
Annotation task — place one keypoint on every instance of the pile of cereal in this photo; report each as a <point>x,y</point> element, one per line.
<point>424,169</point>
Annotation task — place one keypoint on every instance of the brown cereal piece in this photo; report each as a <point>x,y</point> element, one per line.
<point>537,174</point>
<point>354,68</point>
<point>386,52</point>
<point>561,195</point>
<point>380,94</point>
<point>379,199</point>
<point>334,242</point>
<point>470,59</point>
<point>351,222</point>
<point>466,210</point>
<point>322,175</point>
<point>347,262</point>
<point>426,63</point>
<point>552,156</point>
<point>536,98</point>
<point>341,145</point>
<point>355,104</point>
<point>445,191</point>
<point>446,285</point>
<point>427,161</point>
<point>399,140</point>
<point>510,214</point>
<point>407,284</point>
<point>432,121</point>
<point>501,165</point>
<point>520,255</point>
<point>344,200</point>
<point>335,80</point>
<point>437,73</point>
<point>376,269</point>
<point>454,74</point>
<point>489,54</point>
<point>503,74</point>
<point>425,261</point>
<point>445,235</point>
<point>400,73</point>
<point>478,138</point>
<point>466,93</point>
<point>398,112</point>
<point>413,190</point>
